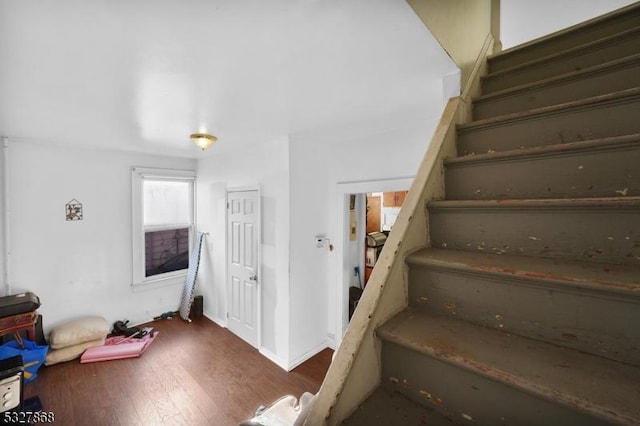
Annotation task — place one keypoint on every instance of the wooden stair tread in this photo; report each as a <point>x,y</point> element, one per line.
<point>544,150</point>
<point>574,51</point>
<point>622,279</point>
<point>564,108</point>
<point>602,203</point>
<point>606,389</point>
<point>559,79</point>
<point>385,408</point>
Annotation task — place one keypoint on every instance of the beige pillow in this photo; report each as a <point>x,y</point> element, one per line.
<point>55,356</point>
<point>78,331</point>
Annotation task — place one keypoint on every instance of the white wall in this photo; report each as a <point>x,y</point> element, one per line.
<point>355,249</point>
<point>524,20</point>
<point>267,165</point>
<point>2,212</point>
<point>319,162</point>
<point>81,267</point>
<point>298,178</point>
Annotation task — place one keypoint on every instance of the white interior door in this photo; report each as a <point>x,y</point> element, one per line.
<point>243,233</point>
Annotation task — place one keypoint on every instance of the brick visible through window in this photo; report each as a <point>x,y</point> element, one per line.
<point>166,251</point>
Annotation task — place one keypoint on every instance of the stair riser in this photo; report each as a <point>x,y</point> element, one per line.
<point>623,47</point>
<point>567,41</point>
<point>595,234</point>
<point>617,78</point>
<point>385,408</point>
<point>589,173</point>
<point>577,319</point>
<point>603,119</point>
<point>465,396</point>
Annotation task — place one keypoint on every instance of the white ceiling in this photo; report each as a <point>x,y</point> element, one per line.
<point>141,75</point>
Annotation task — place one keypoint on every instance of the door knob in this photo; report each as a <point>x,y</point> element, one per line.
<point>253,278</point>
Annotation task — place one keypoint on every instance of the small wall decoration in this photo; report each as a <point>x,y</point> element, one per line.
<point>353,223</point>
<point>73,210</point>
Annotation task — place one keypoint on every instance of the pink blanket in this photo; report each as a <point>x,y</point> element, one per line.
<point>118,347</point>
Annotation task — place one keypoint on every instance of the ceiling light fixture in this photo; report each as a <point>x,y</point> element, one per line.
<point>203,140</point>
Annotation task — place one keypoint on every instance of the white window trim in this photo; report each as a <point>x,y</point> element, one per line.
<point>138,174</point>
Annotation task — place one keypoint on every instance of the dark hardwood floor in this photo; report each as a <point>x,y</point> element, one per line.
<point>192,374</point>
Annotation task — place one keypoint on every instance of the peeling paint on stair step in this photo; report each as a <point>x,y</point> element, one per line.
<point>423,300</point>
<point>433,399</point>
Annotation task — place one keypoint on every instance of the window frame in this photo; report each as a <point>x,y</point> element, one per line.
<point>138,176</point>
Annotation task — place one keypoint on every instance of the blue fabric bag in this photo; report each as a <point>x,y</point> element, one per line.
<point>33,356</point>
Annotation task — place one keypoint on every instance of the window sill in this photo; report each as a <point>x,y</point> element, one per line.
<point>152,284</point>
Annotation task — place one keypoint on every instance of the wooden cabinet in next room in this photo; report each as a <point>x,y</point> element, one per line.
<point>394,199</point>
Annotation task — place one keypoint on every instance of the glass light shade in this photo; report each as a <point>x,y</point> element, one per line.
<point>203,140</point>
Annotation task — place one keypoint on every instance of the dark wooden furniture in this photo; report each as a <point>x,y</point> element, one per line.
<point>20,322</point>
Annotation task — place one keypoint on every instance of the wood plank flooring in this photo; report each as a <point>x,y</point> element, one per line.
<point>192,374</point>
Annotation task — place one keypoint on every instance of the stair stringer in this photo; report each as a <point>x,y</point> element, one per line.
<point>355,371</point>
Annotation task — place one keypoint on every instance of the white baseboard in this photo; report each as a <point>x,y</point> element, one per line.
<point>274,358</point>
<point>305,356</point>
<point>220,321</point>
<point>331,342</point>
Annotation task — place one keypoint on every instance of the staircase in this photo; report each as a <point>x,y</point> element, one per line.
<point>525,309</point>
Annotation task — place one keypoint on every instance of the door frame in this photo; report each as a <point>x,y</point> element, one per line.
<point>228,292</point>
<point>343,272</point>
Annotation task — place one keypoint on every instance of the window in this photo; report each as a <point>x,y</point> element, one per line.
<point>163,212</point>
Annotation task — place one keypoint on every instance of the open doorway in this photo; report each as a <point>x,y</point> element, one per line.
<point>371,218</point>
<point>381,201</point>
<point>382,211</point>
